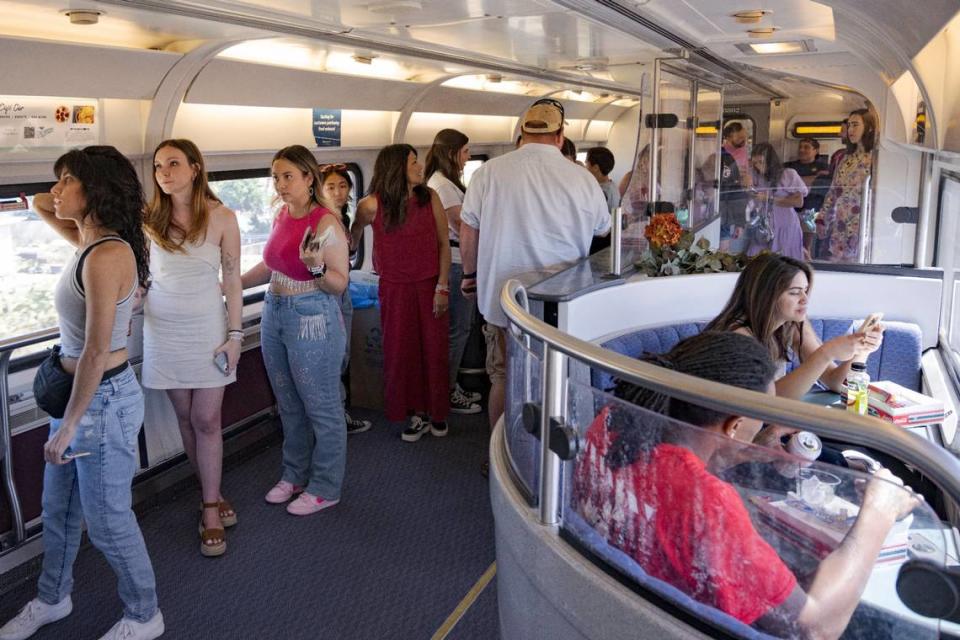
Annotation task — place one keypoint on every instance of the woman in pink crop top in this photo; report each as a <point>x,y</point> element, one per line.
<point>302,334</point>
<point>412,256</point>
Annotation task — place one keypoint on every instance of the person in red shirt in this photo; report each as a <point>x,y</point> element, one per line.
<point>647,486</point>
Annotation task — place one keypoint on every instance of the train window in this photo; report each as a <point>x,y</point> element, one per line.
<point>948,256</point>
<point>250,194</point>
<point>472,165</point>
<point>33,256</point>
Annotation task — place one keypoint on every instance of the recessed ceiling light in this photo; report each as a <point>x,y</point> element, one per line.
<point>393,6</point>
<point>83,16</point>
<point>762,32</point>
<point>768,48</point>
<point>752,16</point>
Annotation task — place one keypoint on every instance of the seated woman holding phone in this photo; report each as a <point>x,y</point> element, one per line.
<point>652,489</point>
<point>769,303</point>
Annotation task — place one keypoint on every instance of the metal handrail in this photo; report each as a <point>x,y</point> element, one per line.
<point>935,462</point>
<point>7,347</point>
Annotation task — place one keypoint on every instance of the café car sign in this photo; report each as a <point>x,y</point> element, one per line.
<point>30,123</point>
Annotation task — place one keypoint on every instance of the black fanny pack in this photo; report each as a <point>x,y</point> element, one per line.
<point>52,385</point>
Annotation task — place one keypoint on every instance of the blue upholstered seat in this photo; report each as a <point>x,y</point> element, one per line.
<point>897,360</point>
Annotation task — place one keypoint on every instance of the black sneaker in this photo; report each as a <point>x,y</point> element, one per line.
<point>471,396</point>
<point>438,429</point>
<point>416,430</point>
<point>356,425</point>
<point>459,403</point>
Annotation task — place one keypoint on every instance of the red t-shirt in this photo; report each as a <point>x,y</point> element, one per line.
<point>682,524</point>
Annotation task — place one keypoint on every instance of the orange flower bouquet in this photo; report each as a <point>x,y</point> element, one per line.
<point>673,251</point>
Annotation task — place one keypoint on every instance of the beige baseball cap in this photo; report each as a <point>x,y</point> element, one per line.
<point>542,117</point>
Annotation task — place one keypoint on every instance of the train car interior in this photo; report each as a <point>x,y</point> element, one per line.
<point>531,525</point>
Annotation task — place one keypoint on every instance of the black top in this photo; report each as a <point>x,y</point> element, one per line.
<point>821,182</point>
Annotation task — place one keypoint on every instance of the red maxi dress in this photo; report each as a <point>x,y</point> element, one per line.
<point>415,343</point>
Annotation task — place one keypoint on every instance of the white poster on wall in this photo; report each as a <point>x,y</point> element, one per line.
<point>33,123</point>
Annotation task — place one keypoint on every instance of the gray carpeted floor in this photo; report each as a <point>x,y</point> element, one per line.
<point>411,536</point>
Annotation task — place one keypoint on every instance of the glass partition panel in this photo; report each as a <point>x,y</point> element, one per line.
<point>636,194</point>
<point>524,370</point>
<point>706,144</point>
<point>676,97</point>
<point>745,538</point>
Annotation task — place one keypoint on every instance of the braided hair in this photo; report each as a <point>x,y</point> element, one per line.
<point>718,356</point>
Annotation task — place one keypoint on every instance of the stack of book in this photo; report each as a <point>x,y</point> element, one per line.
<point>891,402</point>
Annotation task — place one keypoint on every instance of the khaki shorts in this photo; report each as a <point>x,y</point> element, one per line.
<point>495,339</point>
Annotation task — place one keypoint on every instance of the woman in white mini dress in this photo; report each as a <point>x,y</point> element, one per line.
<point>186,328</point>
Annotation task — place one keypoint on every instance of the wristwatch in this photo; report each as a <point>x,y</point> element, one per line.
<point>319,271</point>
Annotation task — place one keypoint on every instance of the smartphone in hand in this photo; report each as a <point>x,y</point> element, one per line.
<point>871,322</point>
<point>222,363</point>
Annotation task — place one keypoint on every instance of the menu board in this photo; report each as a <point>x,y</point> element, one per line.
<point>30,123</point>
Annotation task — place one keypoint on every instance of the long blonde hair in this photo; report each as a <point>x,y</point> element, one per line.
<point>159,221</point>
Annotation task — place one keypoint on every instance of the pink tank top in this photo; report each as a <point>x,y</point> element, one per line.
<point>408,253</point>
<point>282,252</point>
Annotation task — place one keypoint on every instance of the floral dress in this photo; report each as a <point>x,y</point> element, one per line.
<point>842,206</point>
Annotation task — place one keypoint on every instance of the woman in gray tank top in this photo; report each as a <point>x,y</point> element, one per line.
<point>91,453</point>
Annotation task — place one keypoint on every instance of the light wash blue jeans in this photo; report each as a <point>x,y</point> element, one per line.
<point>97,487</point>
<point>461,320</point>
<point>302,340</point>
<point>346,311</point>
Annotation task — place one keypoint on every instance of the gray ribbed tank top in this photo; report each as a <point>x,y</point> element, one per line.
<point>69,300</point>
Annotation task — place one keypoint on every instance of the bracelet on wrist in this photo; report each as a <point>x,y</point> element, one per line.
<point>470,276</point>
<point>319,271</point>
<point>235,338</point>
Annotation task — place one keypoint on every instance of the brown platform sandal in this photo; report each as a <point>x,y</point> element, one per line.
<point>227,514</point>
<point>208,547</point>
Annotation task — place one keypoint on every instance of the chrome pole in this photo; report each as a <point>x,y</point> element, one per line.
<point>554,406</point>
<point>19,529</point>
<point>616,241</point>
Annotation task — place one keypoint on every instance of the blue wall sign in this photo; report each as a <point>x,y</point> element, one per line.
<point>326,127</point>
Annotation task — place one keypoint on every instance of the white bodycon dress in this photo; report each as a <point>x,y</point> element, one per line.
<point>184,319</point>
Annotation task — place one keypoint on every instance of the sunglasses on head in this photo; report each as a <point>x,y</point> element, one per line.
<point>326,168</point>
<point>553,103</point>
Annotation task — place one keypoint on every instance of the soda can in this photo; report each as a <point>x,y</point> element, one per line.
<point>805,445</point>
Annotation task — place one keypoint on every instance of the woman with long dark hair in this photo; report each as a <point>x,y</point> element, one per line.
<point>194,239</point>
<point>411,254</point>
<point>778,191</point>
<point>769,303</point>
<point>845,201</point>
<point>91,454</point>
<point>649,485</point>
<point>336,185</point>
<point>444,171</point>
<point>306,262</point>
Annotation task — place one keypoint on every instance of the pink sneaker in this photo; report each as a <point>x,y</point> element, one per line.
<point>281,492</point>
<point>307,504</point>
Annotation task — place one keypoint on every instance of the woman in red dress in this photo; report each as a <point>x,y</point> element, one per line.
<point>412,257</point>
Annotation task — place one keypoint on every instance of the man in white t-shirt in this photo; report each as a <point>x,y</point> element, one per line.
<point>531,209</point>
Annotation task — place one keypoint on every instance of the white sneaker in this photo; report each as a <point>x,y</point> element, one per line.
<point>34,615</point>
<point>128,629</point>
